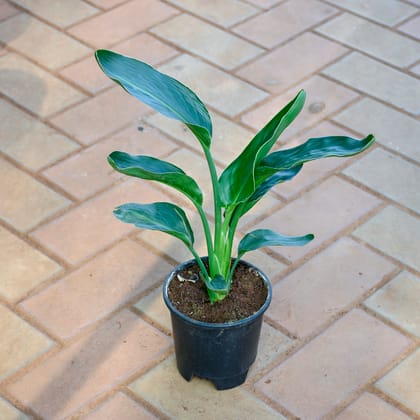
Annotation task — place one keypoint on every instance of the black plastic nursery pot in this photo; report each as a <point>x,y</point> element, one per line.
<point>221,353</point>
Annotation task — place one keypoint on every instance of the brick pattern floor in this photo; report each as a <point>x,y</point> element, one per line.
<point>84,333</point>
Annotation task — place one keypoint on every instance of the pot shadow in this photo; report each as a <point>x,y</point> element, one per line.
<point>21,23</point>
<point>15,135</point>
<point>16,84</point>
<point>73,381</point>
<point>96,349</point>
<point>55,394</point>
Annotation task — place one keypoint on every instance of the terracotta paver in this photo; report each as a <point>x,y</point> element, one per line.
<point>121,22</point>
<point>41,42</point>
<point>372,39</point>
<point>90,366</point>
<point>398,301</point>
<point>228,137</point>
<point>62,15</point>
<point>411,27</point>
<point>323,98</point>
<point>29,141</point>
<point>33,88</point>
<point>84,331</point>
<point>273,344</point>
<point>153,306</point>
<point>303,58</point>
<point>370,406</point>
<point>374,78</point>
<point>395,12</point>
<point>170,393</point>
<point>8,412</point>
<point>87,74</point>
<point>324,211</point>
<point>331,367</point>
<point>7,10</point>
<point>26,201</point>
<point>402,383</point>
<point>22,267</point>
<point>377,171</point>
<point>89,228</point>
<point>223,12</point>
<point>272,266</point>
<point>392,129</point>
<point>211,43</point>
<point>20,343</point>
<point>100,116</point>
<point>106,4</point>
<point>337,277</point>
<point>265,4</point>
<point>284,21</point>
<point>215,87</point>
<point>416,69</point>
<point>73,303</point>
<point>91,164</point>
<point>400,237</point>
<point>120,407</point>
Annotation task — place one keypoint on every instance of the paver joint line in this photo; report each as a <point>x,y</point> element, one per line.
<point>84,330</point>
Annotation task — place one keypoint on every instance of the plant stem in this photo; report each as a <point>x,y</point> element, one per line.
<point>199,262</point>
<point>232,270</point>
<point>206,228</point>
<point>215,252</point>
<point>236,215</point>
<point>227,242</point>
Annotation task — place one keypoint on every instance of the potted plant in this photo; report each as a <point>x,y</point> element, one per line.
<point>217,301</point>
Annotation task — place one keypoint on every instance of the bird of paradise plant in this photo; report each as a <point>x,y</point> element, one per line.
<point>240,186</point>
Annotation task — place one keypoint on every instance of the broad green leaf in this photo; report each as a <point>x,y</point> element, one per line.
<point>267,185</point>
<point>237,182</point>
<point>265,237</point>
<point>153,169</point>
<point>163,93</point>
<point>165,217</point>
<point>312,149</point>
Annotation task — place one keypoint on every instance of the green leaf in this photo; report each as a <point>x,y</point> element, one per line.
<point>312,149</point>
<point>153,169</point>
<point>163,93</point>
<point>237,182</point>
<point>265,237</point>
<point>165,217</point>
<point>267,185</point>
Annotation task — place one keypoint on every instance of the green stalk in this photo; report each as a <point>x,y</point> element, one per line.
<point>232,229</point>
<point>215,252</point>
<point>227,244</point>
<point>199,262</point>
<point>206,228</point>
<point>230,276</point>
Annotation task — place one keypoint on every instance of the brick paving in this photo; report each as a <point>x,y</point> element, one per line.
<point>84,333</point>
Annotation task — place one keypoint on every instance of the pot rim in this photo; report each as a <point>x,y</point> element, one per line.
<point>213,325</point>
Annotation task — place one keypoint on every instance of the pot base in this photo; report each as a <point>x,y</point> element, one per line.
<point>221,384</point>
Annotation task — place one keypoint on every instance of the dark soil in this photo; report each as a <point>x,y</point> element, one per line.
<point>248,293</point>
